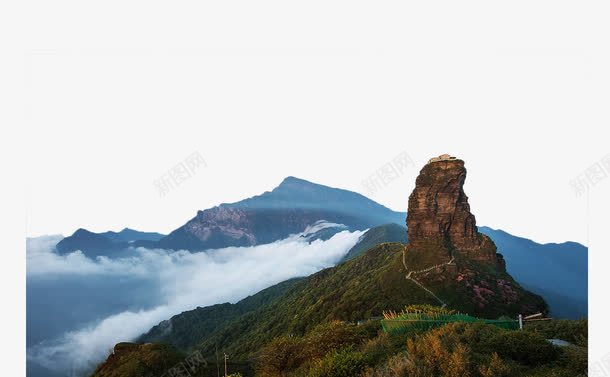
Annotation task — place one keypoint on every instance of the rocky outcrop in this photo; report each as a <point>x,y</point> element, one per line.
<point>233,223</point>
<point>447,257</point>
<point>439,210</point>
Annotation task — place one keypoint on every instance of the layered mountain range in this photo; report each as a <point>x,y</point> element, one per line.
<point>438,209</point>
<point>105,244</point>
<point>446,262</point>
<point>287,209</point>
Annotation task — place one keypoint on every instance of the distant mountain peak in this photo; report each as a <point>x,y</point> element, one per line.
<point>94,244</point>
<point>292,179</point>
<point>83,232</point>
<point>292,182</point>
<point>287,209</point>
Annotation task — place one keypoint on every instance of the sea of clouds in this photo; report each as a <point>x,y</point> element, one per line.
<point>180,281</point>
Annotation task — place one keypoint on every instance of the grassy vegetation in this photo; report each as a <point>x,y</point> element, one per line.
<point>470,286</point>
<point>359,289</point>
<point>464,350</point>
<point>308,326</point>
<point>376,236</point>
<point>575,332</point>
<point>342,349</point>
<point>130,359</point>
<point>188,328</point>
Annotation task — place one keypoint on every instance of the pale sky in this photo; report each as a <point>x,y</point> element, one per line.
<point>321,91</point>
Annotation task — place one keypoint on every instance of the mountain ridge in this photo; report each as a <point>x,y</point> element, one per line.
<point>287,209</point>
<point>107,243</point>
<point>358,289</point>
<point>463,274</point>
<point>268,217</point>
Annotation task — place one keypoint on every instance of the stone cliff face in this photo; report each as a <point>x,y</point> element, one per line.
<point>445,253</point>
<point>231,222</point>
<point>232,225</point>
<point>439,211</point>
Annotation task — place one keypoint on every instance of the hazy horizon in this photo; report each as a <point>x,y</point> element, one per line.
<point>520,105</point>
<point>120,228</point>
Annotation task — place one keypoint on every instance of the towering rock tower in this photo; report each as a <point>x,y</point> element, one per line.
<point>439,212</point>
<point>447,258</point>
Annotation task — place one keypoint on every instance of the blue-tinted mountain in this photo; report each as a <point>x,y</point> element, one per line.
<point>557,272</point>
<point>104,244</point>
<point>90,243</point>
<point>273,215</point>
<point>298,193</point>
<point>129,235</point>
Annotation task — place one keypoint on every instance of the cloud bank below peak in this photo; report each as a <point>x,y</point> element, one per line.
<point>185,280</point>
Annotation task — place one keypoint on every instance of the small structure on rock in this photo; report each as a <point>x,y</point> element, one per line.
<point>443,157</point>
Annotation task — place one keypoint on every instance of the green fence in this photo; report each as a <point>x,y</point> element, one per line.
<point>423,321</point>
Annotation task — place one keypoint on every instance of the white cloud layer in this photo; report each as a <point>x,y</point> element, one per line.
<point>187,279</point>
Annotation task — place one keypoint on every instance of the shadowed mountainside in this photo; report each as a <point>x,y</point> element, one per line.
<point>287,209</point>
<point>558,272</point>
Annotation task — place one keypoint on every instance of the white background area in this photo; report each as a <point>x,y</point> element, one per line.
<point>104,98</point>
